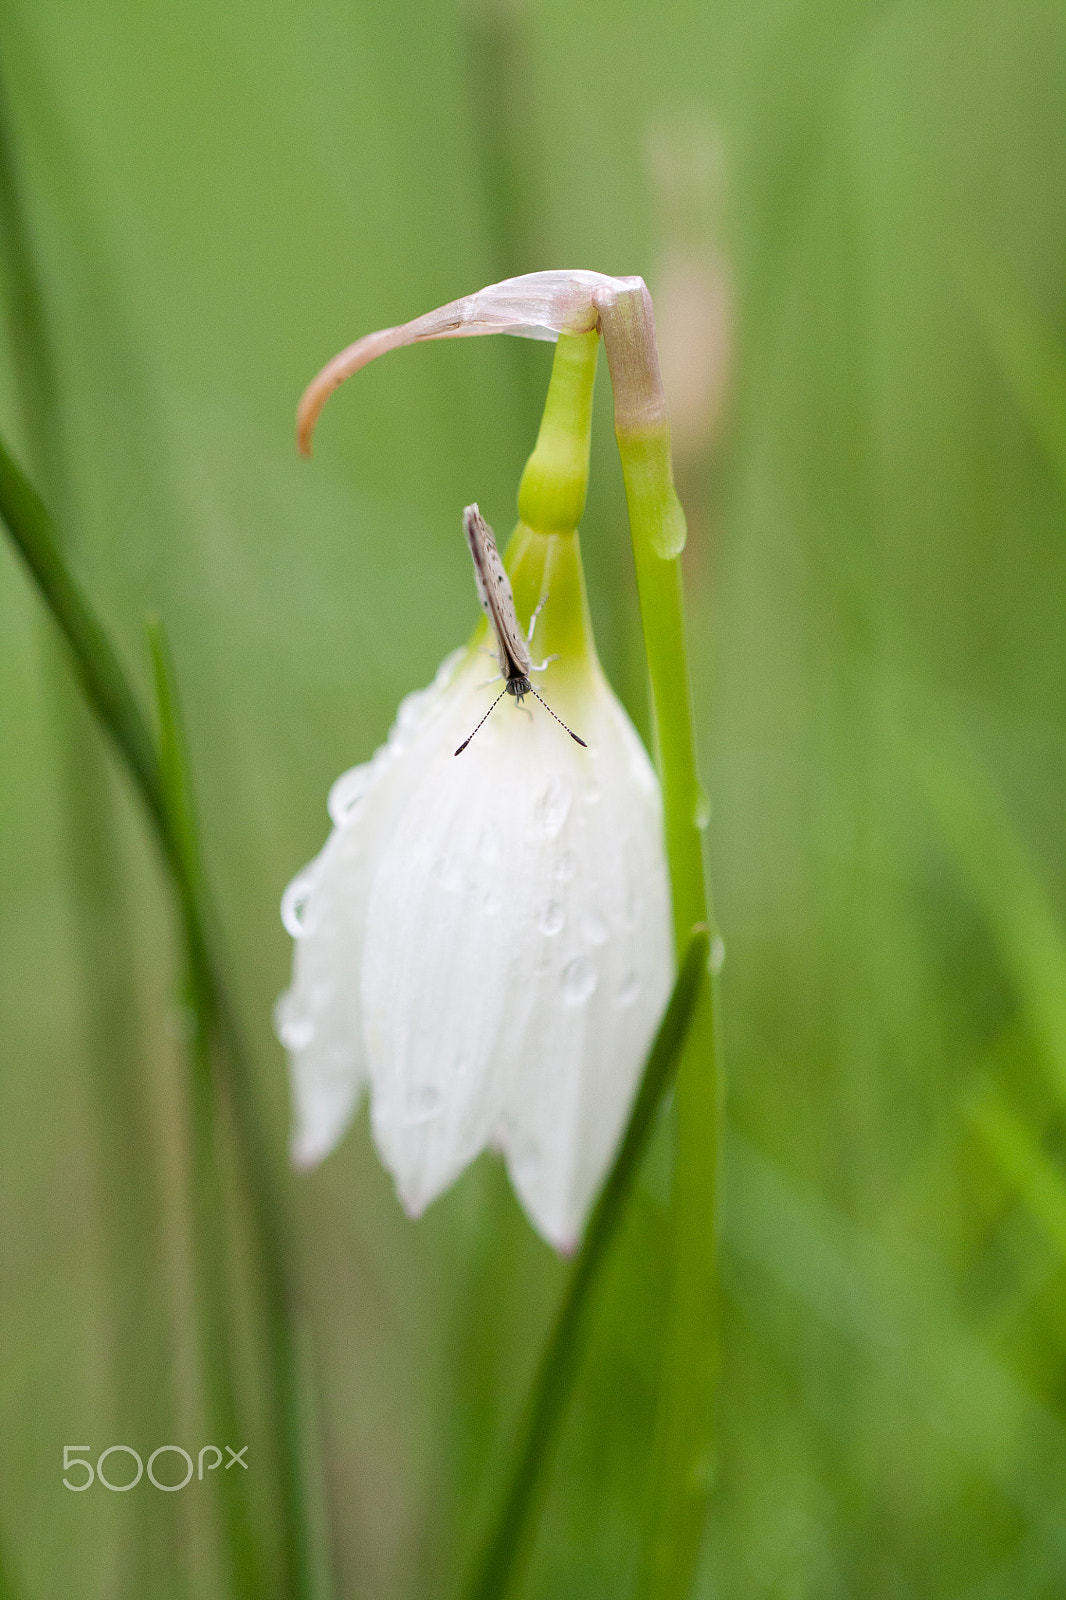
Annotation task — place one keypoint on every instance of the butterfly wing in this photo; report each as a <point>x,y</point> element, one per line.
<point>496,596</point>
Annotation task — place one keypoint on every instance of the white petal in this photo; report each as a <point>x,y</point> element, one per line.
<point>585,1013</point>
<point>319,1019</point>
<point>487,940</point>
<point>443,946</point>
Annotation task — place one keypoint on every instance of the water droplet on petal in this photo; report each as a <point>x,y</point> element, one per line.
<point>629,988</point>
<point>424,1101</point>
<point>294,1024</point>
<point>717,956</point>
<point>552,807</point>
<point>566,867</point>
<point>410,713</point>
<point>579,981</point>
<point>593,928</point>
<point>294,903</point>
<point>347,792</point>
<point>550,918</point>
<point>448,870</point>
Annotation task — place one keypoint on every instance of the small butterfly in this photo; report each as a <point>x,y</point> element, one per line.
<point>497,600</point>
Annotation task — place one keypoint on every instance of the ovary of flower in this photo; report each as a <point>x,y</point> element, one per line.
<point>485,943</point>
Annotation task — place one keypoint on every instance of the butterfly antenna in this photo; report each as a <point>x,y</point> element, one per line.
<point>551,713</point>
<point>486,717</point>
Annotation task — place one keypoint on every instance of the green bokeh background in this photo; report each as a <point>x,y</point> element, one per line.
<point>219,197</point>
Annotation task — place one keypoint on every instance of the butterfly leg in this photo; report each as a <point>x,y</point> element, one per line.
<point>539,666</point>
<point>541,603</point>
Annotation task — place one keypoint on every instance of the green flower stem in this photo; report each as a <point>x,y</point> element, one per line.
<point>505,1553</point>
<point>107,689</point>
<point>680,1473</point>
<point>552,491</point>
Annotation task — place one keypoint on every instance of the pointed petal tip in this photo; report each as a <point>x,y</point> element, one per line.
<point>538,305</point>
<point>304,1155</point>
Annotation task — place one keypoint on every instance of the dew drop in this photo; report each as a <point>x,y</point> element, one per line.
<point>347,792</point>
<point>631,905</point>
<point>294,903</point>
<point>424,1101</point>
<point>448,870</point>
<point>579,981</point>
<point>593,928</point>
<point>629,988</point>
<point>550,918</point>
<point>566,868</point>
<point>717,956</point>
<point>295,1027</point>
<point>409,715</point>
<point>552,807</point>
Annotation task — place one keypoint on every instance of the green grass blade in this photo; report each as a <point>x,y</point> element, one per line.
<point>126,1155</point>
<point>102,674</point>
<point>213,1295</point>
<point>507,1547</point>
<point>107,688</point>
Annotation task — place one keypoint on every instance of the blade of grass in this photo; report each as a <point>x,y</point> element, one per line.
<point>108,690</point>
<point>246,1566</point>
<point>507,1547</point>
<point>140,1339</point>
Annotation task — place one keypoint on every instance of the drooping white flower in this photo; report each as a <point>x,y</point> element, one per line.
<point>484,942</point>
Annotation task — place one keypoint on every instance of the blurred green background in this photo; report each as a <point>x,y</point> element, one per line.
<point>861,206</point>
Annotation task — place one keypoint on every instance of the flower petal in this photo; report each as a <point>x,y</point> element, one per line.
<point>319,1020</point>
<point>537,305</point>
<point>584,1015</point>
<point>443,946</point>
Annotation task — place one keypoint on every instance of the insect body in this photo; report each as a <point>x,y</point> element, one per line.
<point>497,600</point>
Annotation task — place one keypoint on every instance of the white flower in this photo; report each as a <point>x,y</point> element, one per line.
<point>484,942</point>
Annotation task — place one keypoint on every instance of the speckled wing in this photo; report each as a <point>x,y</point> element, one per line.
<point>494,592</point>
